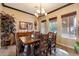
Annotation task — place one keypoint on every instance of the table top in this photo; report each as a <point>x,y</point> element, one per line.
<point>30,41</point>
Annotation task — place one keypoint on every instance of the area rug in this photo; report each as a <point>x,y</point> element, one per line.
<point>60,52</point>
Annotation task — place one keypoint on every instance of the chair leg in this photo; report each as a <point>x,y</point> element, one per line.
<point>50,51</point>
<point>46,53</point>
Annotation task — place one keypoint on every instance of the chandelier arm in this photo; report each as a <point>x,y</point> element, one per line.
<point>40,8</point>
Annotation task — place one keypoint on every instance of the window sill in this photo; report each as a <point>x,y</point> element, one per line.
<point>68,36</point>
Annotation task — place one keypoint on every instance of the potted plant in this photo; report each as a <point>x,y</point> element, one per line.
<point>77,46</point>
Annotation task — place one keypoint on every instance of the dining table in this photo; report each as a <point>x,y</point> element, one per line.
<point>31,42</point>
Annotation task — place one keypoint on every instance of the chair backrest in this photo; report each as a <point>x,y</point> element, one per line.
<point>24,34</point>
<point>52,36</point>
<point>44,37</point>
<point>20,34</point>
<point>37,34</point>
<point>43,42</point>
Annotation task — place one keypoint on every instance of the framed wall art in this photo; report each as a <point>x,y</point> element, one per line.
<point>25,25</point>
<point>22,25</point>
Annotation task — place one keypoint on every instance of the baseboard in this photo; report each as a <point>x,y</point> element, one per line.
<point>65,46</point>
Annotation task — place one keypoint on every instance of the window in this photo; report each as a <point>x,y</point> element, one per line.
<point>53,25</point>
<point>69,25</point>
<point>43,27</point>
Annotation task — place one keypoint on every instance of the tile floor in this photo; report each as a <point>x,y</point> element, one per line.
<point>10,51</point>
<point>69,50</point>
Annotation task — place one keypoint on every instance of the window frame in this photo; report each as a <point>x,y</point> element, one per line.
<point>68,15</point>
<point>43,22</point>
<point>51,20</point>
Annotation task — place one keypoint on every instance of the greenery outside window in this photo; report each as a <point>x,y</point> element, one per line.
<point>53,24</point>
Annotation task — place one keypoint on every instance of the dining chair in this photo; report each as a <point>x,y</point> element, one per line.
<point>44,45</point>
<point>20,47</point>
<point>37,35</point>
<point>52,42</point>
<point>36,45</point>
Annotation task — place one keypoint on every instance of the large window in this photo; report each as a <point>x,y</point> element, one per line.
<point>69,25</point>
<point>43,27</point>
<point>53,25</point>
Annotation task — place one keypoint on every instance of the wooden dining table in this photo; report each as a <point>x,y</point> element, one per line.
<point>31,42</point>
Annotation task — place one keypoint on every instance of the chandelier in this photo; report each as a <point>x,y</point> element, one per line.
<point>40,12</point>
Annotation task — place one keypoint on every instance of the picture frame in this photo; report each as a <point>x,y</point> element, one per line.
<point>30,26</point>
<point>25,25</point>
<point>22,25</point>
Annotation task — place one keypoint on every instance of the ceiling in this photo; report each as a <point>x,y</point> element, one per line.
<point>32,7</point>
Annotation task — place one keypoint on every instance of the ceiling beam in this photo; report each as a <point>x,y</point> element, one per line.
<point>3,4</point>
<point>60,8</point>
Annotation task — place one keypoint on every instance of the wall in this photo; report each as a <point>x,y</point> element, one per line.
<point>65,10</point>
<point>0,25</point>
<point>0,7</point>
<point>19,16</point>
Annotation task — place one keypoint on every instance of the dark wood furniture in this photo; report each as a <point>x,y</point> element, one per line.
<point>44,45</point>
<point>31,43</point>
<point>52,43</point>
<point>37,35</point>
<point>37,45</point>
<point>28,41</point>
<point>18,35</point>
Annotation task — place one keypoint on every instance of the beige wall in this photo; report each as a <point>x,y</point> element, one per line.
<point>0,7</point>
<point>65,10</point>
<point>0,25</point>
<point>19,16</point>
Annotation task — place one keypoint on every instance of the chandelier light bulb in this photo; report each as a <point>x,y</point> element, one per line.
<point>42,10</point>
<point>36,14</point>
<point>45,14</point>
<point>38,11</point>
